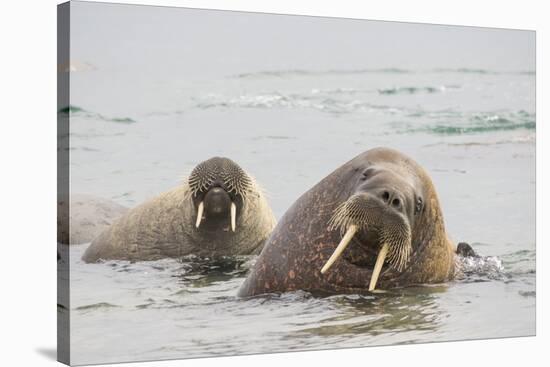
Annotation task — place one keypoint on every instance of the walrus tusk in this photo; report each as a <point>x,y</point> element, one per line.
<point>199,214</point>
<point>378,266</point>
<point>233,216</point>
<point>341,247</point>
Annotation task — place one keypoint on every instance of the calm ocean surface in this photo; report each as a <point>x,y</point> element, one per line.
<point>136,134</point>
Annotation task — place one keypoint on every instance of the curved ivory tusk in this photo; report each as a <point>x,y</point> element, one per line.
<point>199,214</point>
<point>341,247</point>
<point>233,216</point>
<point>378,266</point>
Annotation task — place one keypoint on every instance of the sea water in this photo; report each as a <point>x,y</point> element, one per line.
<point>138,125</point>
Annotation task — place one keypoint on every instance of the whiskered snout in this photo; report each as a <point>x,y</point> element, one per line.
<point>366,212</point>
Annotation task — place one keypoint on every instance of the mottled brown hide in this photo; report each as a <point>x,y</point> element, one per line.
<point>302,242</point>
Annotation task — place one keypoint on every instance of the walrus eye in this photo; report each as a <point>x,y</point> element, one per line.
<point>418,207</point>
<point>367,174</point>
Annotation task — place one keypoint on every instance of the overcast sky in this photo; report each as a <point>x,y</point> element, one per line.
<point>117,36</point>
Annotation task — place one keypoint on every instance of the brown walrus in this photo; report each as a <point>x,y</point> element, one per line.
<point>219,210</point>
<point>374,223</point>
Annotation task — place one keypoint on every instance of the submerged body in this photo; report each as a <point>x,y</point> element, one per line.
<point>218,211</point>
<point>90,216</point>
<point>377,218</point>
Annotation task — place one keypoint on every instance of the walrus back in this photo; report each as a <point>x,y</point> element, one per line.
<point>147,232</point>
<point>89,216</point>
<point>165,227</point>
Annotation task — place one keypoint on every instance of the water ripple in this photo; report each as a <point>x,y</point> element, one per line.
<point>76,111</point>
<point>306,73</point>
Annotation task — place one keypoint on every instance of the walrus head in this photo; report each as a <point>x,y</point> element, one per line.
<point>378,216</point>
<point>219,189</point>
<point>384,207</point>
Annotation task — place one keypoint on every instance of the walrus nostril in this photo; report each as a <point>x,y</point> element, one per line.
<point>386,196</point>
<point>396,202</point>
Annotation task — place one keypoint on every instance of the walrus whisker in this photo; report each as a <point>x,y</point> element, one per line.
<point>341,247</point>
<point>199,214</point>
<point>378,266</point>
<point>233,216</point>
<point>236,179</point>
<point>399,240</point>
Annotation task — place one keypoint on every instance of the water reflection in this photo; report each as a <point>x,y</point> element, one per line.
<point>390,312</point>
<point>190,308</point>
<point>198,272</point>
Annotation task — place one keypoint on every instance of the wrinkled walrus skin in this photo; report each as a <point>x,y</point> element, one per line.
<point>302,242</point>
<point>168,225</point>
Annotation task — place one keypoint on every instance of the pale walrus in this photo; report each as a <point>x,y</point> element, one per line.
<point>374,223</point>
<point>89,216</point>
<point>219,210</point>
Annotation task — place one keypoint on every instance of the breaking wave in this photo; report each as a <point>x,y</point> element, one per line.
<point>315,100</point>
<point>443,122</point>
<point>335,100</point>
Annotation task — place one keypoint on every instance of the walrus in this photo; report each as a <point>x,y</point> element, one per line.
<point>89,216</point>
<point>219,210</point>
<point>374,223</point>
